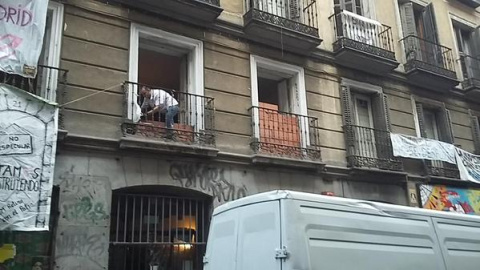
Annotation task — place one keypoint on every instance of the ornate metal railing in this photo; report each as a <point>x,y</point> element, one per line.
<point>193,122</point>
<point>361,33</point>
<point>285,134</point>
<point>296,15</point>
<point>421,53</point>
<point>471,71</point>
<point>442,169</point>
<point>49,83</point>
<point>372,148</point>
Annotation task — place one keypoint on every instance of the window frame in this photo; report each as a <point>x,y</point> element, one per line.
<point>195,70</point>
<point>54,49</point>
<point>300,105</point>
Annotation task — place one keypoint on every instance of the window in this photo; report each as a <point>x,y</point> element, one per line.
<point>366,120</point>
<point>434,123</point>
<point>279,102</point>
<point>475,122</point>
<point>173,63</point>
<point>468,44</point>
<point>355,6</point>
<point>48,75</point>
<point>289,9</point>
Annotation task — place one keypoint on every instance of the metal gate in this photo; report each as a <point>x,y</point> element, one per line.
<point>150,232</point>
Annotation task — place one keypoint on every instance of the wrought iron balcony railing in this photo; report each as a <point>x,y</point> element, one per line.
<point>285,134</point>
<point>421,53</point>
<point>371,148</point>
<point>49,83</point>
<point>471,71</point>
<point>363,34</point>
<point>193,124</point>
<point>442,169</point>
<point>296,15</point>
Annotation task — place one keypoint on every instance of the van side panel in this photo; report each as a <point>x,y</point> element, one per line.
<point>259,236</point>
<point>460,243</point>
<point>222,241</point>
<point>363,238</point>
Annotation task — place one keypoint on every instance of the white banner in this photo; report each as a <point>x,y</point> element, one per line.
<point>28,137</point>
<point>468,165</point>
<point>421,148</point>
<point>22,27</point>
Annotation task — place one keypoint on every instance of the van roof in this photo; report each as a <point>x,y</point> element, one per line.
<point>382,208</point>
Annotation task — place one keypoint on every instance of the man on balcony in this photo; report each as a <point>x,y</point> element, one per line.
<point>157,100</point>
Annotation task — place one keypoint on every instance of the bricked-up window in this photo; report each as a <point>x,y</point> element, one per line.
<point>151,231</point>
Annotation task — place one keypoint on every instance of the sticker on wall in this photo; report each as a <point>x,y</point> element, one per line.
<point>443,198</point>
<point>28,137</point>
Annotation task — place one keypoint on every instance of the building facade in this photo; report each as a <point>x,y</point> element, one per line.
<point>273,94</point>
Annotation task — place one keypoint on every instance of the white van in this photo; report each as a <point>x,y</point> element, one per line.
<point>286,230</point>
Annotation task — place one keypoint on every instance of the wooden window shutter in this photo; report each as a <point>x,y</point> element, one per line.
<point>475,47</point>
<point>475,133</point>
<point>407,17</point>
<point>348,119</point>
<point>380,110</point>
<point>433,50</point>
<point>445,126</point>
<point>347,105</point>
<point>421,119</point>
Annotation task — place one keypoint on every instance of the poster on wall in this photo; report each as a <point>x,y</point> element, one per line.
<point>443,198</point>
<point>22,27</point>
<point>28,136</point>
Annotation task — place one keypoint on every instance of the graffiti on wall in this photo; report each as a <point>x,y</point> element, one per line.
<point>208,179</point>
<point>83,199</point>
<point>84,221</point>
<point>443,198</point>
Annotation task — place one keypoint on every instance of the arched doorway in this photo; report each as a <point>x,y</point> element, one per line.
<point>158,228</point>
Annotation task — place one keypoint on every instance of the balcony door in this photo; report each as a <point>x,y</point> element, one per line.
<point>468,44</point>
<point>362,105</point>
<point>289,9</point>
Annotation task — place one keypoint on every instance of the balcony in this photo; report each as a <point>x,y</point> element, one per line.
<point>429,65</point>
<point>471,3</point>
<point>439,169</point>
<point>471,75</point>
<point>49,84</point>
<point>371,149</point>
<point>363,44</point>
<point>290,26</point>
<point>285,135</point>
<point>201,12</point>
<point>193,126</point>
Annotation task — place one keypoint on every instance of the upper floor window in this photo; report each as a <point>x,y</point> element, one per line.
<point>48,74</point>
<point>418,20</point>
<point>170,66</point>
<point>468,45</point>
<point>355,6</point>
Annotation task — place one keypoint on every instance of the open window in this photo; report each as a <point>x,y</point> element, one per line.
<point>174,64</point>
<point>279,104</point>
<point>420,33</point>
<point>468,45</point>
<point>48,74</point>
<point>289,9</point>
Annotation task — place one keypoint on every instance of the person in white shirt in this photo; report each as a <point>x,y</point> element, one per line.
<point>158,100</point>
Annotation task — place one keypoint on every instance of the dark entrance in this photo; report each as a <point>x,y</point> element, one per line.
<point>158,230</point>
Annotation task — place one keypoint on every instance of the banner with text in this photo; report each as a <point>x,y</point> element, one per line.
<point>28,137</point>
<point>421,148</point>
<point>468,165</point>
<point>22,27</point>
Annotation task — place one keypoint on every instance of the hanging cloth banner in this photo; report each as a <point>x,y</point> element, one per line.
<point>28,138</point>
<point>421,148</point>
<point>22,27</point>
<point>468,165</point>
